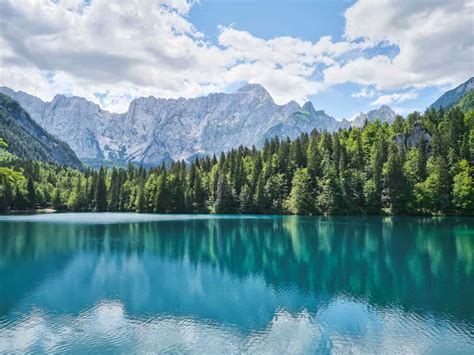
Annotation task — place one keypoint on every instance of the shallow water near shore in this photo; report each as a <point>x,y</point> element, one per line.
<point>119,282</point>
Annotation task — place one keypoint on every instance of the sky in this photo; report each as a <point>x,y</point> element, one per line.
<point>346,56</point>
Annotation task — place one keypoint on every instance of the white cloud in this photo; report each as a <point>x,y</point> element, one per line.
<point>397,98</point>
<point>434,38</point>
<point>150,47</point>
<point>145,47</point>
<point>364,93</point>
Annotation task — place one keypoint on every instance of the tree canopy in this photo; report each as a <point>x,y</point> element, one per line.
<point>420,165</point>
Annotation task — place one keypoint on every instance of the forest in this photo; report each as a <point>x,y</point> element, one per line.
<point>419,165</point>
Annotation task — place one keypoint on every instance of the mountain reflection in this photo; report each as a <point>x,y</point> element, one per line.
<point>222,269</point>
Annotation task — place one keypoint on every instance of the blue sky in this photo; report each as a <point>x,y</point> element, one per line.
<point>345,56</point>
<point>304,19</point>
<point>267,19</point>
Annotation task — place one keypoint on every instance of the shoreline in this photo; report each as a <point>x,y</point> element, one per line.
<point>31,211</point>
<point>54,211</point>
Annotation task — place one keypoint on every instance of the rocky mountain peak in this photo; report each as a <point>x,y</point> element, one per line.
<point>156,130</point>
<point>308,107</point>
<point>385,108</point>
<point>255,90</point>
<point>385,114</point>
<point>252,87</point>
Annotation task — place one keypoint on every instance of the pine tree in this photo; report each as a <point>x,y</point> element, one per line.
<point>463,189</point>
<point>378,161</point>
<point>314,159</point>
<point>176,194</point>
<point>394,180</point>
<point>76,198</point>
<point>297,156</point>
<point>223,199</point>
<point>101,192</point>
<point>140,205</point>
<point>300,201</point>
<point>434,194</point>
<point>246,200</point>
<point>56,200</point>
<point>161,204</point>
<point>198,195</point>
<point>30,187</point>
<point>6,194</point>
<point>259,197</point>
<point>115,186</point>
<point>275,193</point>
<point>20,202</point>
<point>329,200</point>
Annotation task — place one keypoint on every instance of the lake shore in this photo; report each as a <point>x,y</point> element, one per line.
<point>31,211</point>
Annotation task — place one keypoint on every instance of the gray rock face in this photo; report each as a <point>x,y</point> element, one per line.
<point>451,97</point>
<point>416,135</point>
<point>155,130</point>
<point>384,114</point>
<point>305,120</point>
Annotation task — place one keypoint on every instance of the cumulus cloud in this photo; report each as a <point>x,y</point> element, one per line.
<point>397,98</point>
<point>363,93</point>
<point>145,47</point>
<point>111,53</point>
<point>434,39</point>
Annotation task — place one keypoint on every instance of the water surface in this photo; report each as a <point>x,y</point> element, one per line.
<point>127,283</point>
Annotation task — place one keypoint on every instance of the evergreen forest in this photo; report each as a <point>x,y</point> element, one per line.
<point>419,165</point>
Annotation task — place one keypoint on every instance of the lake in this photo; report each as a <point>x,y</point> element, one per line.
<point>110,282</point>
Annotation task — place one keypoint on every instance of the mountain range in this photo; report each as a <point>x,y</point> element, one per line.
<point>155,130</point>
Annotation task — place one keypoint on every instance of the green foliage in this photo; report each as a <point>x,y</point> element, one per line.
<point>463,189</point>
<point>394,181</point>
<point>300,201</point>
<point>467,101</point>
<point>356,171</point>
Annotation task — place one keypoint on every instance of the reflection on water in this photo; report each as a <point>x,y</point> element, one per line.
<point>243,284</point>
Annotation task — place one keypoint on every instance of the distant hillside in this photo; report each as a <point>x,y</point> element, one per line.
<point>467,101</point>
<point>452,97</point>
<point>26,139</point>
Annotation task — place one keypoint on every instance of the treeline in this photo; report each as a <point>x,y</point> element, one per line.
<point>419,165</point>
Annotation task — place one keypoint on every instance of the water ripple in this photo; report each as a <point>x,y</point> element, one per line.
<point>106,327</point>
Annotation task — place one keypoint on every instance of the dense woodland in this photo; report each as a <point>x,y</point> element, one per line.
<point>419,165</point>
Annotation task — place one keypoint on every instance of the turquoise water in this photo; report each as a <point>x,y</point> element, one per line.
<point>82,283</point>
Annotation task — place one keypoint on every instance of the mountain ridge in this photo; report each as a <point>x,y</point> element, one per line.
<point>156,130</point>
<point>384,113</point>
<point>453,96</point>
<point>27,139</point>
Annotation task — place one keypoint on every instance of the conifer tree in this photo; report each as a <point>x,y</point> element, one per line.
<point>101,192</point>
<point>161,204</point>
<point>259,198</point>
<point>463,189</point>
<point>299,201</point>
<point>115,185</point>
<point>246,200</point>
<point>394,180</point>
<point>223,197</point>
<point>30,187</point>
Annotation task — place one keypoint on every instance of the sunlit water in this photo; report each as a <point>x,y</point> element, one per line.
<point>129,283</point>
